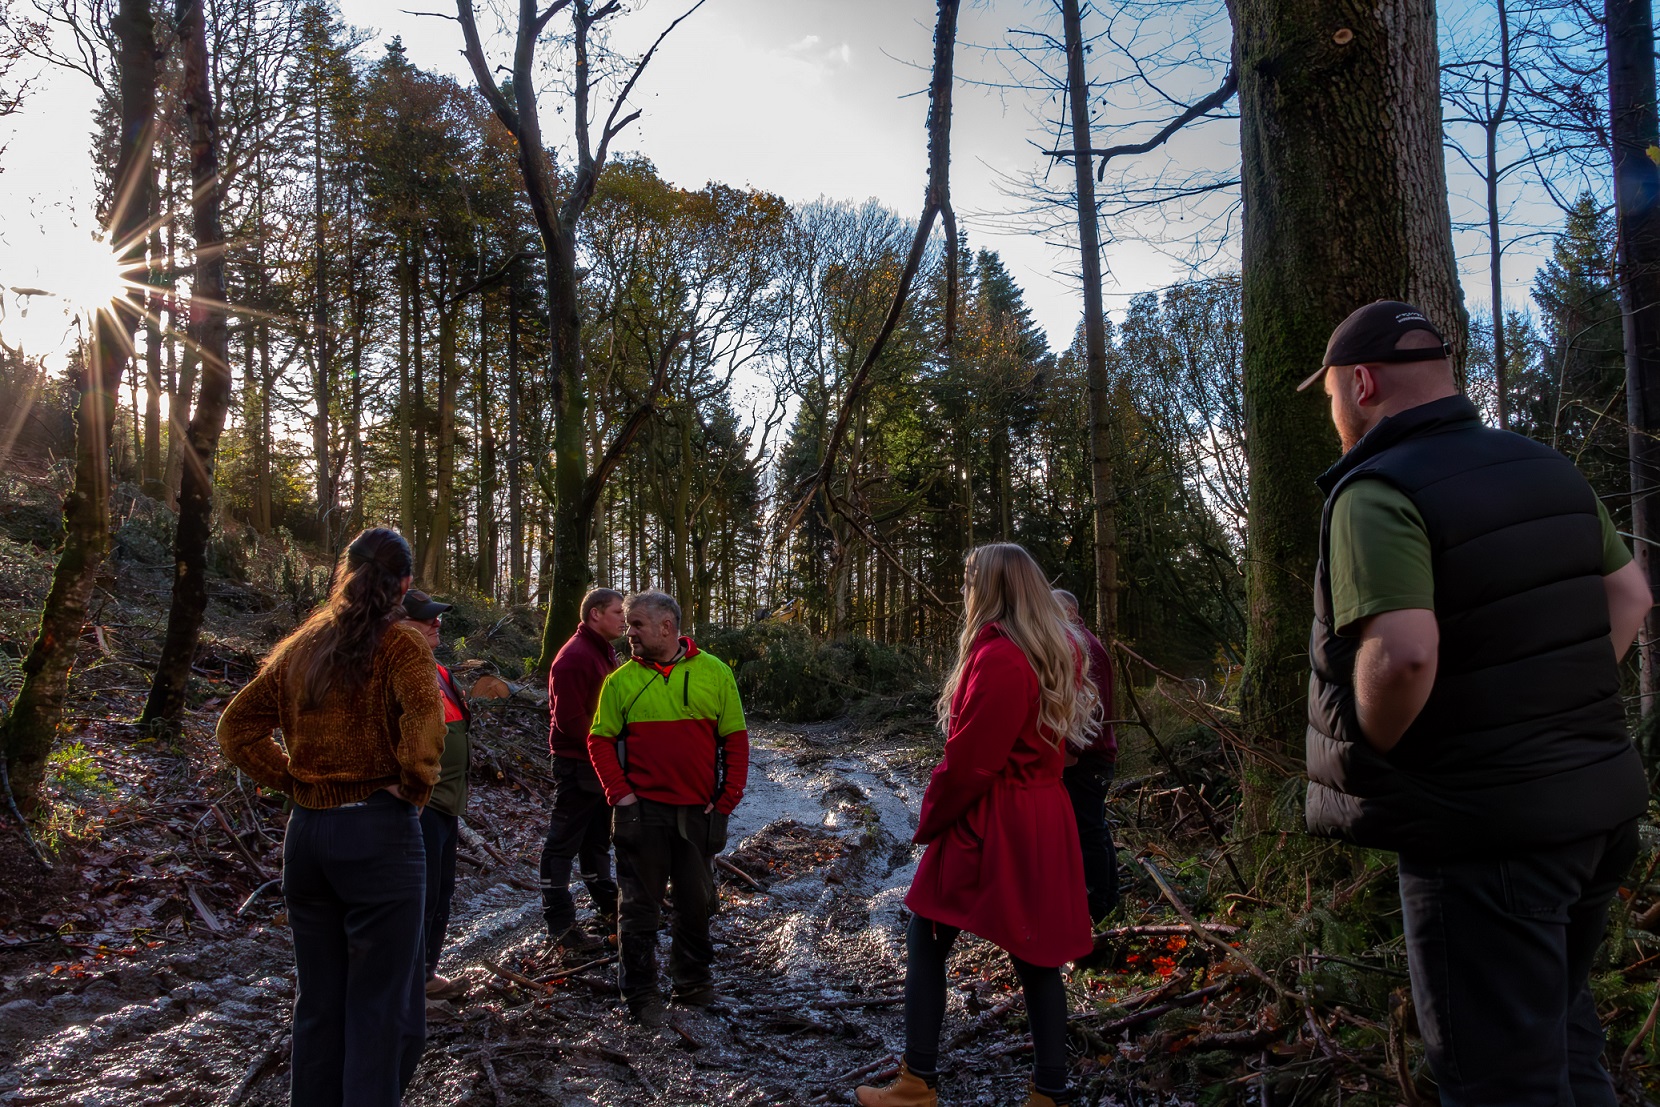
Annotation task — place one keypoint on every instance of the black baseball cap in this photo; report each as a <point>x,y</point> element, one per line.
<point>422,607</point>
<point>1371,333</point>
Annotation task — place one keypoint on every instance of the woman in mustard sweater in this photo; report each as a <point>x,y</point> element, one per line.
<point>354,694</point>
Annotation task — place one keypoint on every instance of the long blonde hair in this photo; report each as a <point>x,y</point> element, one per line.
<point>1002,584</point>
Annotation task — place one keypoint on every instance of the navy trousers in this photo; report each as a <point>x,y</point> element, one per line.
<point>355,881</point>
<point>1500,953</point>
<point>1087,783</point>
<point>578,830</point>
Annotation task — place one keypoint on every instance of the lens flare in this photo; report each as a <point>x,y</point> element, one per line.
<point>51,288</point>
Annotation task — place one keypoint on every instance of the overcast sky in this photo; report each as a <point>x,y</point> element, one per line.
<point>805,98</point>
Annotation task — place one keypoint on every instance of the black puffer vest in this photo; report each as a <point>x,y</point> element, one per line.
<point>1522,743</point>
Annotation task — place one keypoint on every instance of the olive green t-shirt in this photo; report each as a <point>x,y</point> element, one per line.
<point>1390,568</point>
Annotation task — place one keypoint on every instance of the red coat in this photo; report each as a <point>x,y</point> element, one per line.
<point>1002,859</point>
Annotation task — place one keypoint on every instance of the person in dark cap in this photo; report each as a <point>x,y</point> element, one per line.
<point>1472,601</point>
<point>441,817</point>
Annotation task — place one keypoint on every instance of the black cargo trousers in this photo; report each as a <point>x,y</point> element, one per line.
<point>579,829</point>
<point>660,845</point>
<point>1501,952</point>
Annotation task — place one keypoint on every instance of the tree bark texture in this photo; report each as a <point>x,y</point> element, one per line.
<point>209,336</point>
<point>1345,202</point>
<point>33,721</point>
<point>1095,333</point>
<point>1632,116</point>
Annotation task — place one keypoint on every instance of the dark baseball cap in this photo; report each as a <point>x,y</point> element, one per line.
<point>422,607</point>
<point>1371,333</point>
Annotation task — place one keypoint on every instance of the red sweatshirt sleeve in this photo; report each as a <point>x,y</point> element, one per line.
<point>999,692</point>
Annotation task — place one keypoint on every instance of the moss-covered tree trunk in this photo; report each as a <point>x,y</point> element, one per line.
<point>208,335</point>
<point>1345,200</point>
<point>1634,125</point>
<point>37,712</point>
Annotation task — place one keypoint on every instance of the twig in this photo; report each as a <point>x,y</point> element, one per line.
<point>495,1081</point>
<point>1227,950</point>
<point>22,823</point>
<point>255,894</point>
<point>563,973</point>
<point>986,1020</point>
<point>518,978</point>
<point>1147,1014</point>
<point>1648,1025</point>
<point>263,1058</point>
<point>726,866</point>
<point>477,841</point>
<point>253,863</point>
<point>1181,776</point>
<point>1157,930</point>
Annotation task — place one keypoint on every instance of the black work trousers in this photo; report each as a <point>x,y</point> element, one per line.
<point>1087,783</point>
<point>1500,953</point>
<point>659,845</point>
<point>439,833</point>
<point>355,881</point>
<point>927,946</point>
<point>579,829</point>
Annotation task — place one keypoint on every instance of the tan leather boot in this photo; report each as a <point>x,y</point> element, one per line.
<point>907,1090</point>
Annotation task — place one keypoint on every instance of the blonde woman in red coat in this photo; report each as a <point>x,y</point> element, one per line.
<point>1002,859</point>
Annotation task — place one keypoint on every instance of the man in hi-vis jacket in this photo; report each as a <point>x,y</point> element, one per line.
<point>670,746</point>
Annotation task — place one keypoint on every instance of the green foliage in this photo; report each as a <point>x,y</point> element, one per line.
<point>74,769</point>
<point>786,672</point>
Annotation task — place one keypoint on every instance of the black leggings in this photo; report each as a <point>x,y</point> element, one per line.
<point>927,945</point>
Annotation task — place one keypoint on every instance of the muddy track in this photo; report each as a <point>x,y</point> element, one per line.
<point>810,971</point>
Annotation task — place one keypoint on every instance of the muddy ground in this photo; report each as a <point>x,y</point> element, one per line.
<point>144,1002</point>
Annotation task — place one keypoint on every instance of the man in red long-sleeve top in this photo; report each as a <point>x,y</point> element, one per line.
<point>580,826</point>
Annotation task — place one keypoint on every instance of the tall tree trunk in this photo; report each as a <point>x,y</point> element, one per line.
<point>487,482</point>
<point>264,515</point>
<point>322,381</point>
<point>515,458</point>
<point>33,720</point>
<point>434,564</point>
<point>208,334</point>
<point>406,400</point>
<point>150,471</point>
<point>1095,333</point>
<point>1495,248</point>
<point>1631,94</point>
<point>1328,227</point>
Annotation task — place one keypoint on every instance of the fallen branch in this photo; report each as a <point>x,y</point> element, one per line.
<point>1226,949</point>
<point>255,894</point>
<point>565,973</point>
<point>477,841</point>
<point>1648,1025</point>
<point>726,866</point>
<point>1147,1014</point>
<point>272,1049</point>
<point>1158,930</point>
<point>230,832</point>
<point>1181,776</point>
<point>986,1021</point>
<point>518,978</point>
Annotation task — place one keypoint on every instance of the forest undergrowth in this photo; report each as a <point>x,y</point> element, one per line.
<point>147,959</point>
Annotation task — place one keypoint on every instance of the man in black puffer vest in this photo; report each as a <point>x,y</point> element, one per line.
<point>1471,603</point>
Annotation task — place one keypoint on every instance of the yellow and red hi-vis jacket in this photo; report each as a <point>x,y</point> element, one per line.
<point>672,733</point>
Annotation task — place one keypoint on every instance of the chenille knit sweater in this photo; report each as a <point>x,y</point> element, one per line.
<point>389,731</point>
